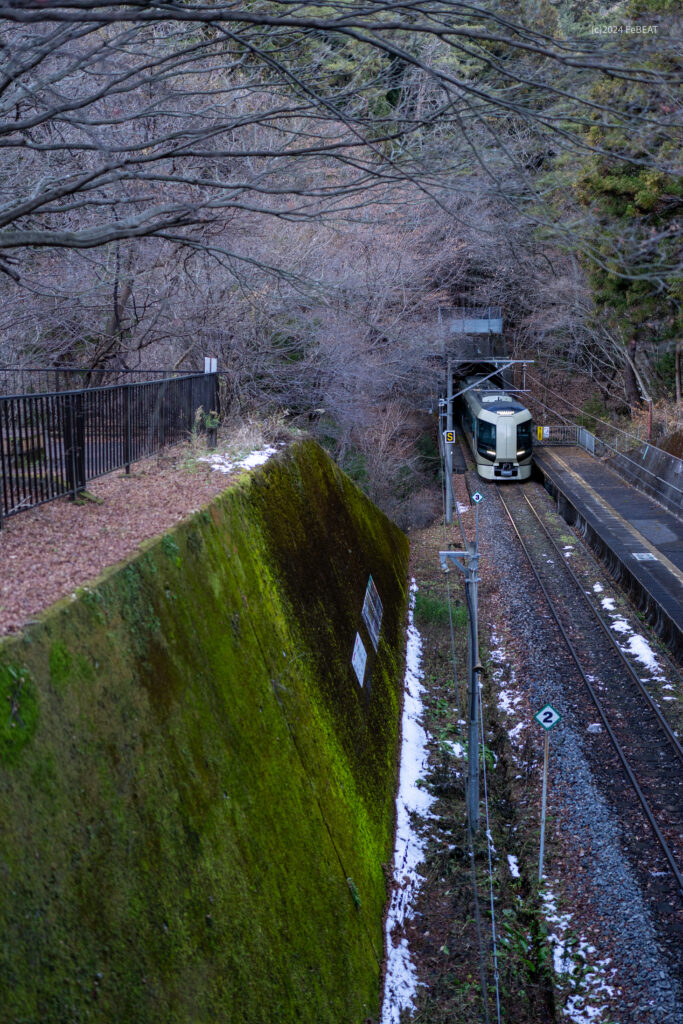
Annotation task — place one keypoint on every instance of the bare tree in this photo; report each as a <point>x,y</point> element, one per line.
<point>126,120</point>
<point>172,177</point>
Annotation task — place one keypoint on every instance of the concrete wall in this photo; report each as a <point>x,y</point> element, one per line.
<point>655,473</point>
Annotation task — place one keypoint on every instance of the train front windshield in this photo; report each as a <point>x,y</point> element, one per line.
<point>486,439</point>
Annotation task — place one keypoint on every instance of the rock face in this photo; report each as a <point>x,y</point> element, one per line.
<point>196,793</point>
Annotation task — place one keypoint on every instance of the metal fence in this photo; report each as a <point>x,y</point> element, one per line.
<point>627,454</point>
<point>51,444</point>
<point>28,380</point>
<point>570,433</point>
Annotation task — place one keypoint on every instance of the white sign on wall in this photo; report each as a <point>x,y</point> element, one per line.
<point>359,659</point>
<point>372,612</point>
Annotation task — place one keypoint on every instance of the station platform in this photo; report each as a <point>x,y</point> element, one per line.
<point>640,542</point>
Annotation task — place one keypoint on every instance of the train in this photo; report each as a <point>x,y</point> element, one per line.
<point>499,430</point>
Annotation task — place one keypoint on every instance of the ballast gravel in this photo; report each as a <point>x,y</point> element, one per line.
<point>599,886</point>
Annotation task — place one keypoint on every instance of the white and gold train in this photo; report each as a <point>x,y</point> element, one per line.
<point>499,430</point>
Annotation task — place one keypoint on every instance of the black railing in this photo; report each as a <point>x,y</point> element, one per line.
<point>51,444</point>
<point>29,380</point>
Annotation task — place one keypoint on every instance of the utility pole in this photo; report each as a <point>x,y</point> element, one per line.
<point>448,448</point>
<point>468,564</point>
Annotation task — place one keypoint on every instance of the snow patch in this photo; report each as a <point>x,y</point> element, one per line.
<point>635,644</point>
<point>412,804</point>
<point>223,463</point>
<point>589,985</point>
<point>608,603</point>
<point>639,647</point>
<point>507,701</point>
<point>513,865</point>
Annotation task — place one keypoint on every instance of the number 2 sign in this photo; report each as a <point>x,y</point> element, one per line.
<point>548,716</point>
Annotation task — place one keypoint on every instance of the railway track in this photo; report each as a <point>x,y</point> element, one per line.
<point>632,741</point>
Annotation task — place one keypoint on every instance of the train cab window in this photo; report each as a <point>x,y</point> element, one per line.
<point>486,439</point>
<point>524,440</point>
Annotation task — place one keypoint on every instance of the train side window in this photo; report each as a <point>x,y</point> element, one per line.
<point>524,442</point>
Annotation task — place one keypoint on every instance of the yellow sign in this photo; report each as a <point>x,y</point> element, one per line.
<point>449,436</point>
<point>539,433</point>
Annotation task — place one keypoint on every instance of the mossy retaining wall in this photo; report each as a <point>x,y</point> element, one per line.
<point>196,795</point>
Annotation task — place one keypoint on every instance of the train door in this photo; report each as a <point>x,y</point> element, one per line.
<point>507,440</point>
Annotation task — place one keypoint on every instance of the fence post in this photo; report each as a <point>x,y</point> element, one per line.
<point>216,396</point>
<point>2,474</point>
<point>126,432</point>
<point>160,413</point>
<point>74,443</point>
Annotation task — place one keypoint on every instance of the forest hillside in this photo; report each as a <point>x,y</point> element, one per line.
<point>300,189</point>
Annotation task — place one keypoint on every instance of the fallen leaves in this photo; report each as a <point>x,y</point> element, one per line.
<point>47,552</point>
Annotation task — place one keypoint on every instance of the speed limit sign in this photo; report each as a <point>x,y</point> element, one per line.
<point>548,716</point>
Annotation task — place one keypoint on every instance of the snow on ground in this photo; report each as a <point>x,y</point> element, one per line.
<point>224,463</point>
<point>413,804</point>
<point>639,647</point>
<point>508,700</point>
<point>454,748</point>
<point>571,954</point>
<point>634,644</point>
<point>574,960</point>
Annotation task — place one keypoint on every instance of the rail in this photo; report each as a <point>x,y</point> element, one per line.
<point>574,654</point>
<point>53,443</point>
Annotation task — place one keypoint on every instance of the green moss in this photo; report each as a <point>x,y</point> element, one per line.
<point>18,711</point>
<point>198,828</point>
<point>60,663</point>
<point>170,548</point>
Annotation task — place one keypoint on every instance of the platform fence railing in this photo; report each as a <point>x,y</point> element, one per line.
<point>624,445</point>
<point>53,443</point>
